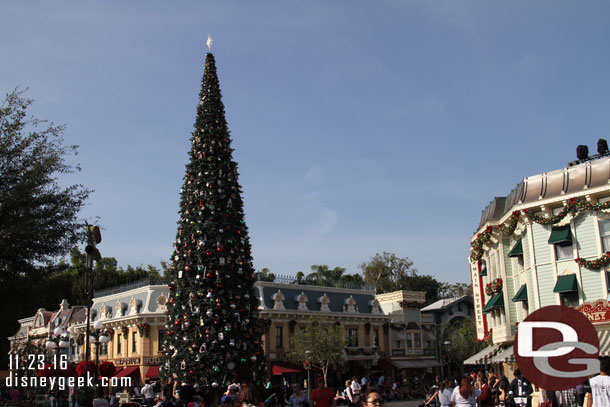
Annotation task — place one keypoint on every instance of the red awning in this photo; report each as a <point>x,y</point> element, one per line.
<point>279,368</point>
<point>153,371</point>
<point>127,371</point>
<point>385,364</point>
<point>117,370</point>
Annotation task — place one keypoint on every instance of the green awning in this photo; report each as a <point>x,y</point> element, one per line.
<point>517,250</point>
<point>521,294</point>
<point>561,235</point>
<point>483,270</point>
<point>566,284</point>
<point>495,302</point>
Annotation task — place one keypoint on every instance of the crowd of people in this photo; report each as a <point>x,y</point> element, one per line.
<point>481,389</point>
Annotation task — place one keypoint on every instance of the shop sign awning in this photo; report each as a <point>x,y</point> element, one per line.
<point>280,368</point>
<point>416,364</point>
<point>521,294</point>
<point>561,235</point>
<point>153,371</point>
<point>503,356</point>
<point>566,284</point>
<point>517,250</point>
<point>604,343</point>
<point>117,370</point>
<point>127,371</point>
<point>484,356</point>
<point>385,364</point>
<point>495,302</point>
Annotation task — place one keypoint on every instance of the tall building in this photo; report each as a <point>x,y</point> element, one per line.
<point>546,243</point>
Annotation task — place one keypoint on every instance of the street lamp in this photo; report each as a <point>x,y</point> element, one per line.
<point>59,341</point>
<point>98,336</point>
<point>445,344</point>
<point>94,237</point>
<point>308,352</point>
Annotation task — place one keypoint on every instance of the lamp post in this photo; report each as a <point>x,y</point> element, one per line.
<point>98,336</point>
<point>445,344</point>
<point>93,237</point>
<point>308,352</point>
<point>59,341</point>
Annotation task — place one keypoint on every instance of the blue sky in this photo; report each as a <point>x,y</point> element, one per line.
<point>359,126</point>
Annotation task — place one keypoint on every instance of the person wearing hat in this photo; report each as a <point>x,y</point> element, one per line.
<point>322,396</point>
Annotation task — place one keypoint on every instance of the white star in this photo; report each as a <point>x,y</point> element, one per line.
<point>209,43</point>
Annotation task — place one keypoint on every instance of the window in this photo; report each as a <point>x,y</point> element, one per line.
<point>103,349</point>
<point>417,340</point>
<point>278,337</point>
<point>376,337</point>
<point>561,237</point>
<point>397,344</point>
<point>492,264</point>
<point>134,338</point>
<point>604,231</point>
<point>564,251</point>
<point>119,342</point>
<point>161,340</point>
<point>569,299</point>
<point>409,341</point>
<point>352,337</point>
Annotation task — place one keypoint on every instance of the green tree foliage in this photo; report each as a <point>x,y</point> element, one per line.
<point>321,343</point>
<point>448,290</point>
<point>213,302</point>
<point>322,275</point>
<point>388,272</point>
<point>265,275</point>
<point>38,217</point>
<point>464,343</point>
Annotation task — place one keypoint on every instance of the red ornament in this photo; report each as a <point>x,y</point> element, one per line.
<point>177,322</point>
<point>209,275</point>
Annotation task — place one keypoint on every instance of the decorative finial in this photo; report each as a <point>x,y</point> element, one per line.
<point>209,43</point>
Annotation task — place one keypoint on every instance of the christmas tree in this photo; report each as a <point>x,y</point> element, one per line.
<point>213,333</point>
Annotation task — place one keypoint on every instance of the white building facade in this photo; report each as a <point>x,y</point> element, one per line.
<point>546,243</point>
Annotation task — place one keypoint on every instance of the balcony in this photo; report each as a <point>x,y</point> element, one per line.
<point>361,353</point>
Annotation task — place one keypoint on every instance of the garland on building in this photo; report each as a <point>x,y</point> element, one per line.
<point>477,244</point>
<point>508,228</point>
<point>143,329</point>
<point>397,327</point>
<point>489,337</point>
<point>495,287</point>
<point>596,264</point>
<point>361,351</point>
<point>573,206</point>
<point>125,331</point>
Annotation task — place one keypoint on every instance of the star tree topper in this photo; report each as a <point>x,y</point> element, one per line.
<point>209,43</point>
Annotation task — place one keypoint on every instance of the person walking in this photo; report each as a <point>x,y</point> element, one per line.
<point>521,388</point>
<point>148,393</point>
<point>298,398</point>
<point>599,393</point>
<point>465,395</point>
<point>322,396</point>
<point>444,393</point>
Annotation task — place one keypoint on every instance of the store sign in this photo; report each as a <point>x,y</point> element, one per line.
<point>596,312</point>
<point>152,360</point>
<point>477,295</point>
<point>127,361</point>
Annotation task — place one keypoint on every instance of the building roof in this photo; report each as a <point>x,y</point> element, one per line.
<point>446,302</point>
<point>561,183</point>
<point>338,297</point>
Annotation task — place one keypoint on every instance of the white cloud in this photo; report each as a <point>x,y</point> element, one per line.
<point>314,174</point>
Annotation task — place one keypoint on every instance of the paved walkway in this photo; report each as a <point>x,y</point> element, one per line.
<point>405,403</point>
